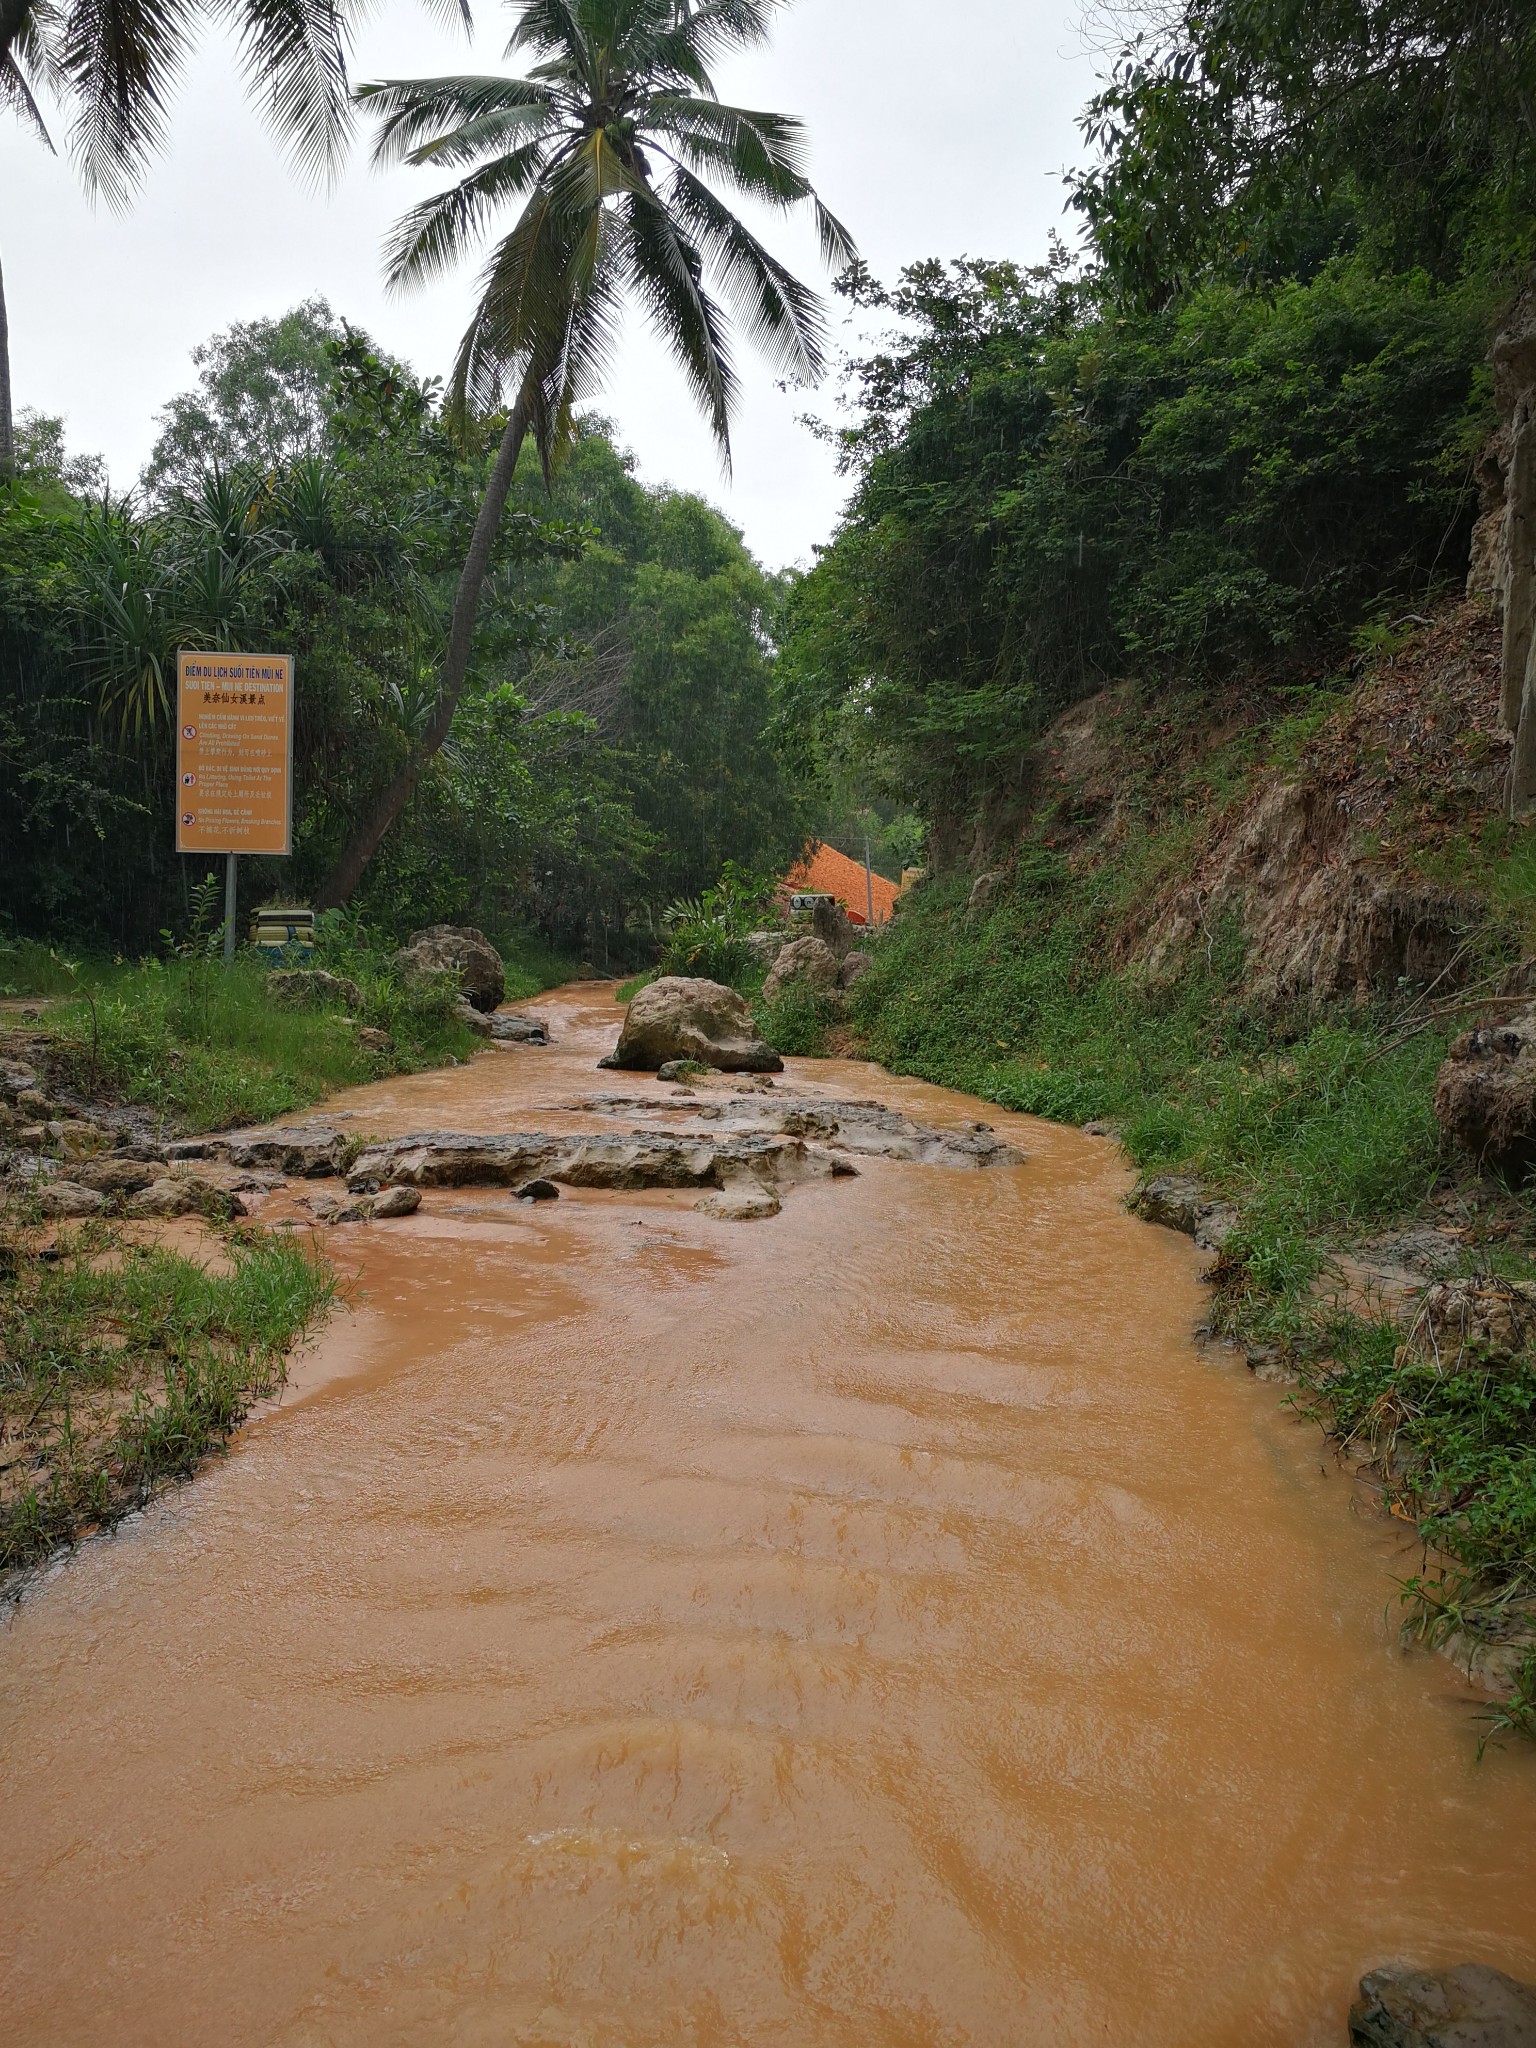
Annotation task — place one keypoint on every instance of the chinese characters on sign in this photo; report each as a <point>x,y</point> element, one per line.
<point>234,753</point>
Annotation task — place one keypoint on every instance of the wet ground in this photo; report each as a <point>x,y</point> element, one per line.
<point>874,1625</point>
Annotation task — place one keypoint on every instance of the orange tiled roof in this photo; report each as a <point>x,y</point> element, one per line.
<point>830,873</point>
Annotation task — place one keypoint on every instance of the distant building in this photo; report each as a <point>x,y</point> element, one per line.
<point>826,872</point>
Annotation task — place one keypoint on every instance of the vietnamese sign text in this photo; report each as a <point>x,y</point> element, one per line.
<point>234,753</point>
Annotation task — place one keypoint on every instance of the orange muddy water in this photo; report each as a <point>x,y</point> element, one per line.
<point>876,1625</point>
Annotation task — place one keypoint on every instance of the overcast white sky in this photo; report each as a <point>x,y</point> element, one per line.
<point>935,130</point>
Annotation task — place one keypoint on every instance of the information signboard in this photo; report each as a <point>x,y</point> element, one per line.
<point>234,753</point>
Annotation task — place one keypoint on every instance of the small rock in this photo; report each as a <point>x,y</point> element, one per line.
<point>739,1203</point>
<point>83,1140</point>
<point>63,1198</point>
<point>682,1070</point>
<point>15,1079</point>
<point>33,1103</point>
<point>855,966</point>
<point>395,1201</point>
<point>118,1176</point>
<point>1173,1201</point>
<point>1215,1225</point>
<point>1470,2006</point>
<point>33,1137</point>
<point>473,1019</point>
<point>374,1041</point>
<point>512,1029</point>
<point>1099,1129</point>
<point>163,1199</point>
<point>538,1191</point>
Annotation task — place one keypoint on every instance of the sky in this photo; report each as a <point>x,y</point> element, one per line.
<point>934,131</point>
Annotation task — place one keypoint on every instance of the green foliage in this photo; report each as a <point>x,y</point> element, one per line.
<point>1051,492</point>
<point>707,935</point>
<point>1306,1122</point>
<point>122,1367</point>
<point>1252,139</point>
<point>612,748</point>
<point>796,1024</point>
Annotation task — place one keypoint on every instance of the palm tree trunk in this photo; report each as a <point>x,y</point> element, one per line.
<point>7,424</point>
<point>364,842</point>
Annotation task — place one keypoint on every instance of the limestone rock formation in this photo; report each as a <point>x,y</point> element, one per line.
<point>803,963</point>
<point>682,1018</point>
<point>460,950</point>
<point>304,988</point>
<point>1471,2006</point>
<point>1485,1095</point>
<point>623,1160</point>
<point>307,1151</point>
<point>67,1198</point>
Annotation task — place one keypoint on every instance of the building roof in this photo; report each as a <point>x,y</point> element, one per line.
<point>830,873</point>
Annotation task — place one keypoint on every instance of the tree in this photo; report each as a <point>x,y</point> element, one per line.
<point>263,396</point>
<point>1253,138</point>
<point>22,59</point>
<point>610,142</point>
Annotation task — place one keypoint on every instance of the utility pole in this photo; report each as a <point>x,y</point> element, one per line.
<point>869,884</point>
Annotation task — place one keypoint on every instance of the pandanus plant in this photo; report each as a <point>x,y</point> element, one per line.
<point>615,148</point>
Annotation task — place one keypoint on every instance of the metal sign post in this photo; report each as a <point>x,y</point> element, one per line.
<point>234,761</point>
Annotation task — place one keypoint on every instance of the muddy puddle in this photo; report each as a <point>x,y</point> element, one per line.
<point>875,1625</point>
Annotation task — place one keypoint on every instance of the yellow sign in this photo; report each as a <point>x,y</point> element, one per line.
<point>234,753</point>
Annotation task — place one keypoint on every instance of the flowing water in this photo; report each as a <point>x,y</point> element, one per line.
<point>878,1625</point>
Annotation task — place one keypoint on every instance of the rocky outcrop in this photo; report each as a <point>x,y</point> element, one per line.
<point>1319,924</point>
<point>866,1129</point>
<point>310,988</point>
<point>463,952</point>
<point>629,1160</point>
<point>853,967</point>
<point>808,964</point>
<point>1485,1093</point>
<point>1183,1205</point>
<point>305,1151</point>
<point>1471,2006</point>
<point>682,1018</point>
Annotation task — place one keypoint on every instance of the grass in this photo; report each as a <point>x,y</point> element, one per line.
<point>204,1047</point>
<point>122,1367</point>
<point>628,990</point>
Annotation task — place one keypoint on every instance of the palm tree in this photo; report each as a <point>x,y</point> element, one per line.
<point>24,62</point>
<point>115,63</point>
<point>610,143</point>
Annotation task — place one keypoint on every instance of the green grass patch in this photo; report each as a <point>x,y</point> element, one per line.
<point>532,964</point>
<point>122,1367</point>
<point>628,990</point>
<point>205,1047</point>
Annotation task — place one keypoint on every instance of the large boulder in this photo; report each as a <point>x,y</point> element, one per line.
<point>1485,1096</point>
<point>803,963</point>
<point>1471,2006</point>
<point>459,950</point>
<point>682,1018</point>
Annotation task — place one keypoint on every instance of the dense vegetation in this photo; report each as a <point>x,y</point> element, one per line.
<point>613,746</point>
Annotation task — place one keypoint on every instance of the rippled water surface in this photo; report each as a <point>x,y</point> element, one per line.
<point>877,1625</point>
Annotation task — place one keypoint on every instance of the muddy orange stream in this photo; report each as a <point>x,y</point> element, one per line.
<point>874,1626</point>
